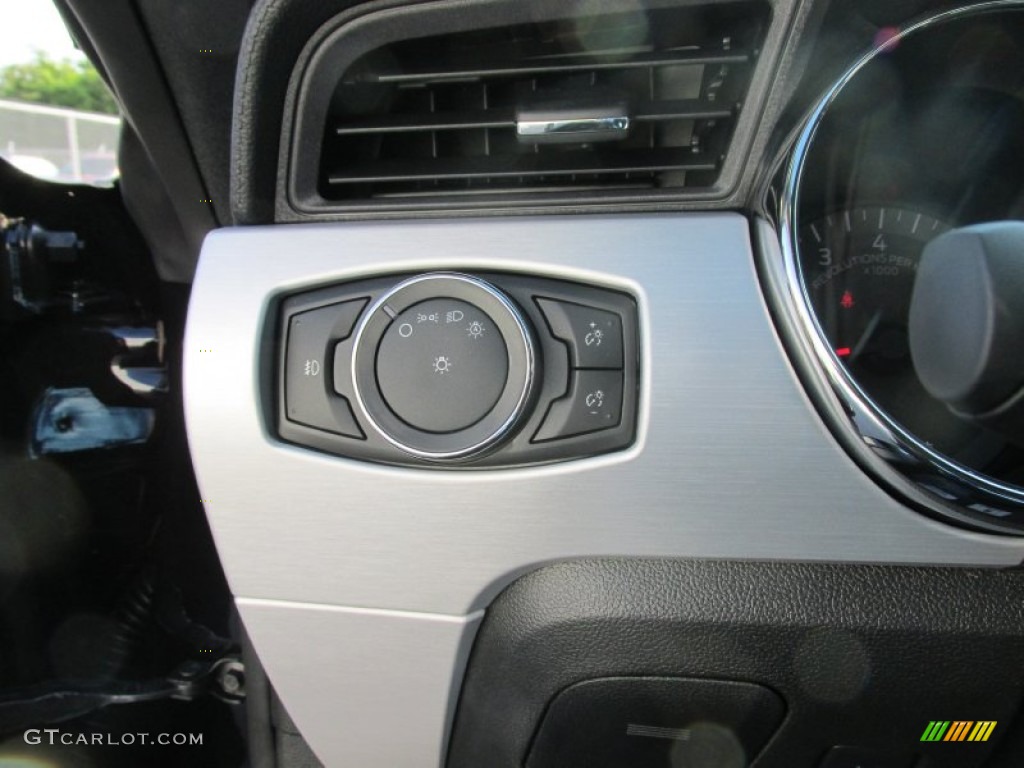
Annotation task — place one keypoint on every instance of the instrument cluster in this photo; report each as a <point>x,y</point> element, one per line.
<point>921,140</point>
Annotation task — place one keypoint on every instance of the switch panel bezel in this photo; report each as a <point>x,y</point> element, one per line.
<point>527,443</point>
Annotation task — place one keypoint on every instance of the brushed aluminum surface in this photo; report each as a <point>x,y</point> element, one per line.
<point>731,460</point>
<point>374,689</point>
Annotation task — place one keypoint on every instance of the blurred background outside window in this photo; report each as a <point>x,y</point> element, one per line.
<point>58,121</point>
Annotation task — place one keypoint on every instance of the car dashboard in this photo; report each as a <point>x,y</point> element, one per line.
<point>571,365</point>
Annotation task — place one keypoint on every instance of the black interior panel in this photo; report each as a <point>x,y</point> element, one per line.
<point>616,721</point>
<point>863,656</point>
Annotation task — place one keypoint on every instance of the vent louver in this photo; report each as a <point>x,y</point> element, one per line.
<point>443,116</point>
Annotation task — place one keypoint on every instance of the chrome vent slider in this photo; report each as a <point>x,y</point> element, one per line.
<point>572,123</point>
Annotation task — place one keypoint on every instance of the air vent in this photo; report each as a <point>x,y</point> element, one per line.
<point>626,101</point>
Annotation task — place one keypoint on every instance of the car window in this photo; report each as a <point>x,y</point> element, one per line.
<point>58,121</point>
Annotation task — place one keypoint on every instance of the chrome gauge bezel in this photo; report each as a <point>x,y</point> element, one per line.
<point>951,489</point>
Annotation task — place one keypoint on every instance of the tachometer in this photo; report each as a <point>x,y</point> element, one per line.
<point>859,266</point>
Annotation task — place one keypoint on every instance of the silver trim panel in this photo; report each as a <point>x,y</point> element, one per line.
<point>731,461</point>
<point>367,688</point>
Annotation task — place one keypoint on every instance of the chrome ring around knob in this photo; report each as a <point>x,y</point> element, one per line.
<point>492,427</point>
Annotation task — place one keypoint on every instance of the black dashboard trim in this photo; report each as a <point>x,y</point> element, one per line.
<point>911,641</point>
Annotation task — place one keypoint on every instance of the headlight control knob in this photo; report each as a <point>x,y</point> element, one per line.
<point>444,366</point>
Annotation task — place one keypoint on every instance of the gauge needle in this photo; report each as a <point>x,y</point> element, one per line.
<point>866,336</point>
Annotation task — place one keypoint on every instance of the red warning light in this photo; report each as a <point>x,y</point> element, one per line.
<point>843,352</point>
<point>847,301</point>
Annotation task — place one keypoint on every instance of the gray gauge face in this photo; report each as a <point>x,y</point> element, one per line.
<point>442,365</point>
<point>859,266</point>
